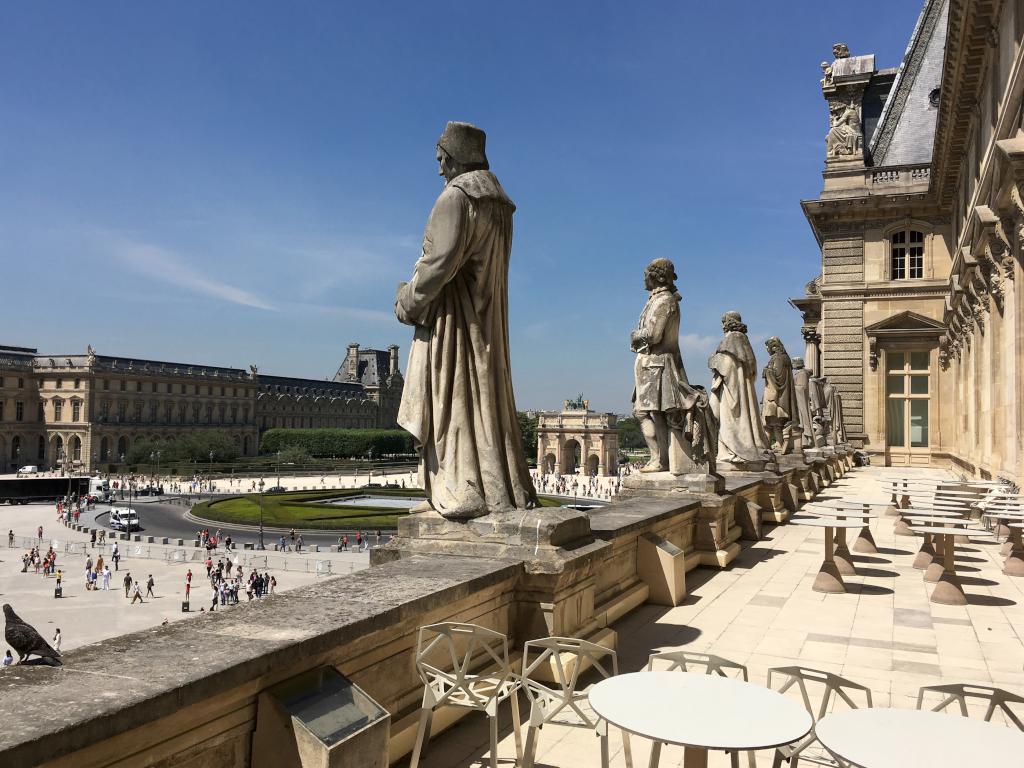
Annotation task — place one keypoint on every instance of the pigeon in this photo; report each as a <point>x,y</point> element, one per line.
<point>26,641</point>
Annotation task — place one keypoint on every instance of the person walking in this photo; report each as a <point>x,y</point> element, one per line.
<point>92,538</point>
<point>56,640</point>
<point>8,659</point>
<point>149,586</point>
<point>106,578</point>
<point>10,539</point>
<point>137,594</point>
<point>115,555</point>
<point>39,531</point>
<point>127,583</point>
<point>213,603</point>
<point>298,544</point>
<point>60,577</point>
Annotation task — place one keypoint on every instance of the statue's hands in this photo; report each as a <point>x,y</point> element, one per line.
<point>400,312</point>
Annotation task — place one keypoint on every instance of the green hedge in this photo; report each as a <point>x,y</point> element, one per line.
<point>342,443</point>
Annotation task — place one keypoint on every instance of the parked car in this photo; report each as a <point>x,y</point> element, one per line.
<point>30,469</point>
<point>276,489</point>
<point>124,519</point>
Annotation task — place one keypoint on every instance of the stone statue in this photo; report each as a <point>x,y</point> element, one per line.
<point>841,51</point>
<point>675,417</point>
<point>779,407</point>
<point>834,413</point>
<point>457,401</point>
<point>253,372</point>
<point>802,394</point>
<point>741,438</point>
<point>819,413</point>
<point>844,135</point>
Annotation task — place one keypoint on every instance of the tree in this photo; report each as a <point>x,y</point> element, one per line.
<point>528,430</point>
<point>630,436</point>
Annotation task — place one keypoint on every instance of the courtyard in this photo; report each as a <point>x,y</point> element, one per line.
<point>761,612</point>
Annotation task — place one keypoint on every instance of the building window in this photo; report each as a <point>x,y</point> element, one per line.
<point>41,450</point>
<point>105,410</point>
<point>152,412</point>
<point>195,413</point>
<point>60,383</point>
<point>21,383</point>
<point>222,391</point>
<point>124,385</point>
<point>76,410</point>
<point>906,254</point>
<point>106,385</point>
<point>41,416</point>
<point>209,414</point>
<point>907,389</point>
<point>138,386</point>
<point>138,411</point>
<point>167,412</point>
<point>58,409</point>
<point>78,383</point>
<point>122,408</point>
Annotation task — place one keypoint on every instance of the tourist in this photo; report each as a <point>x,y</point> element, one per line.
<point>8,658</point>
<point>10,542</point>
<point>213,604</point>
<point>56,640</point>
<point>106,577</point>
<point>127,583</point>
<point>273,584</point>
<point>137,593</point>
<point>115,555</point>
<point>298,544</point>
<point>149,586</point>
<point>39,531</point>
<point>92,538</point>
<point>60,577</point>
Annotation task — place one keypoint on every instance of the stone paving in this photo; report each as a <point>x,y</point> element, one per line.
<point>761,612</point>
<point>86,616</point>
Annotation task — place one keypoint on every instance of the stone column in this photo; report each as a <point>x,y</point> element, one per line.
<point>812,349</point>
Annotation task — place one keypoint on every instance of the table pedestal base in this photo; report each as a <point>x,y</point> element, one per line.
<point>948,590</point>
<point>900,528</point>
<point>1014,565</point>
<point>829,579</point>
<point>865,543</point>
<point>695,757</point>
<point>925,554</point>
<point>891,510</point>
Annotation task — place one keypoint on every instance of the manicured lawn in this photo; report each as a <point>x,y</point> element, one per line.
<point>302,509</point>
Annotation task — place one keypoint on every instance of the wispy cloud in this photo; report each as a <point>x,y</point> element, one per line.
<point>166,265</point>
<point>695,343</point>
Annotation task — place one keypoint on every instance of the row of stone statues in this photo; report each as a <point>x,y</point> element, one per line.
<point>689,430</point>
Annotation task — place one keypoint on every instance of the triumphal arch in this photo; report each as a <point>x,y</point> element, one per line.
<point>578,438</point>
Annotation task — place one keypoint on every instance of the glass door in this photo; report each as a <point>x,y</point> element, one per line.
<point>907,389</point>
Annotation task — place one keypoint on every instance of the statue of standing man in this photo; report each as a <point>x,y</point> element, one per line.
<point>741,438</point>
<point>457,401</point>
<point>674,417</point>
<point>779,407</point>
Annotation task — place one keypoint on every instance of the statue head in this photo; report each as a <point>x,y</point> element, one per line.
<point>798,362</point>
<point>774,344</point>
<point>841,51</point>
<point>461,149</point>
<point>660,273</point>
<point>731,321</point>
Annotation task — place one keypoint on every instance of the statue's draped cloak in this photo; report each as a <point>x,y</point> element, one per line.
<point>457,401</point>
<point>780,401</point>
<point>740,433</point>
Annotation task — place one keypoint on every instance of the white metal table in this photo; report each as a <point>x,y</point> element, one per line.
<point>912,738</point>
<point>948,589</point>
<point>829,578</point>
<point>699,712</point>
<point>865,543</point>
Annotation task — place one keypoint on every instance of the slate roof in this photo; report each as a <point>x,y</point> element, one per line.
<point>906,128</point>
<point>374,365</point>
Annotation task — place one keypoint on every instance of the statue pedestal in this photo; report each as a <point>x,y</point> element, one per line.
<point>666,485</point>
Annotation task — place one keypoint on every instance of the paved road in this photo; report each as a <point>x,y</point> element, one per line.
<point>165,516</point>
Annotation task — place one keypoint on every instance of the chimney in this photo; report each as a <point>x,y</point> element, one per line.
<point>353,362</point>
<point>393,359</point>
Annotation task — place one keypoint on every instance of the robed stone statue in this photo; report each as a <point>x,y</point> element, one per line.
<point>457,401</point>
<point>741,438</point>
<point>674,416</point>
<point>802,390</point>
<point>779,406</point>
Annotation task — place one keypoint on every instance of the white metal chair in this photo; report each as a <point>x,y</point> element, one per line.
<point>812,683</point>
<point>565,702</point>
<point>997,698</point>
<point>709,664</point>
<point>446,656</point>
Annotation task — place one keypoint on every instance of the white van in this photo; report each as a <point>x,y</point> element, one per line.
<point>30,469</point>
<point>124,519</point>
<point>99,489</point>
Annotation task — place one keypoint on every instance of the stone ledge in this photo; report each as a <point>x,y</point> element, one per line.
<point>125,683</point>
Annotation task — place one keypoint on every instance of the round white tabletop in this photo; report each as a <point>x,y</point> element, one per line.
<point>696,710</point>
<point>825,522</point>
<point>971,533</point>
<point>941,519</point>
<point>911,738</point>
<point>840,512</point>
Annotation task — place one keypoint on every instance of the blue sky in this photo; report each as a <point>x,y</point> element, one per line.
<point>246,182</point>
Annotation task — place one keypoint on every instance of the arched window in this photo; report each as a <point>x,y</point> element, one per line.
<point>104,449</point>
<point>122,446</point>
<point>906,254</point>
<point>15,447</point>
<point>42,450</point>
<point>76,448</point>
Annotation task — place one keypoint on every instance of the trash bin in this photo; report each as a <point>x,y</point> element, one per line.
<point>320,718</point>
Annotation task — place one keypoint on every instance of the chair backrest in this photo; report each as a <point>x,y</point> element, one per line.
<point>813,683</point>
<point>446,655</point>
<point>688,661</point>
<point>997,698</point>
<point>564,659</point>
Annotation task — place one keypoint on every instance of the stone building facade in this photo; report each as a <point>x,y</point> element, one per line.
<point>916,313</point>
<point>77,412</point>
<point>578,439</point>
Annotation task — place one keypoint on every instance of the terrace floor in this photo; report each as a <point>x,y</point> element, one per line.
<point>761,612</point>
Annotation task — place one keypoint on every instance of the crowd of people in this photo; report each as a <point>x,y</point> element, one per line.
<point>226,583</point>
